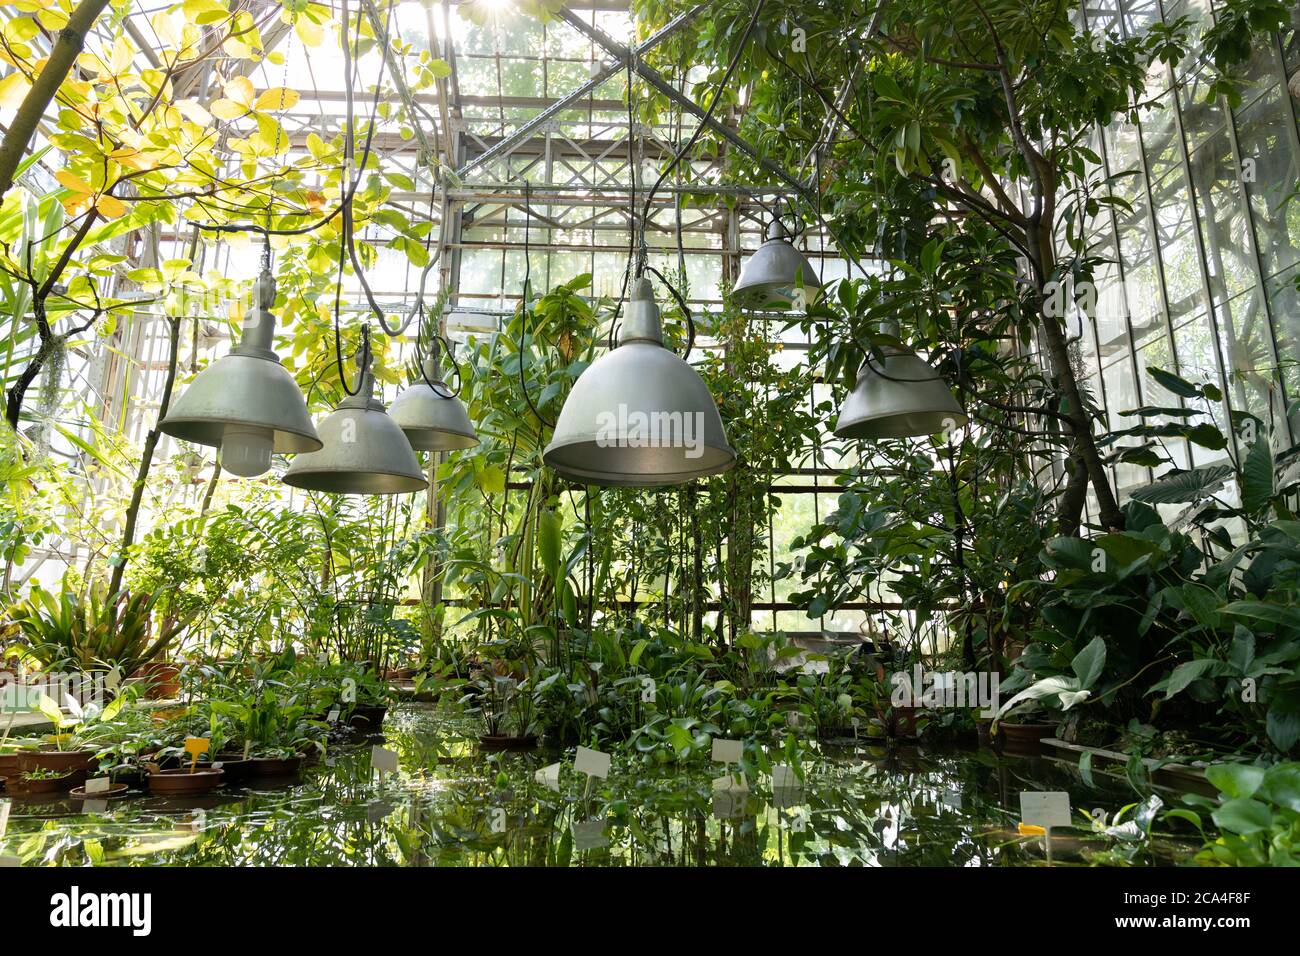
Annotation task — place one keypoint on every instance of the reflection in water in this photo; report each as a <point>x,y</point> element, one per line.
<point>450,805</point>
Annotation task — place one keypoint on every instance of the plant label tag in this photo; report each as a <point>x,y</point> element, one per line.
<point>589,835</point>
<point>333,716</point>
<point>549,777</point>
<point>728,804</point>
<point>219,765</point>
<point>194,746</point>
<point>727,751</point>
<point>730,781</point>
<point>94,806</point>
<point>97,785</point>
<point>785,797</point>
<point>1046,809</point>
<point>4,816</point>
<point>383,759</point>
<point>783,777</point>
<point>594,763</point>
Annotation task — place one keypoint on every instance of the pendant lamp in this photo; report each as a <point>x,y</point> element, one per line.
<point>246,403</point>
<point>639,416</point>
<point>899,397</point>
<point>430,415</point>
<point>771,277</point>
<point>364,452</point>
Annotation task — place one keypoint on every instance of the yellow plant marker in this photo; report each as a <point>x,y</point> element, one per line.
<point>194,746</point>
<point>1028,829</point>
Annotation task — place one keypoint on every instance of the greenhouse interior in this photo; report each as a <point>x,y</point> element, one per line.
<point>645,433</point>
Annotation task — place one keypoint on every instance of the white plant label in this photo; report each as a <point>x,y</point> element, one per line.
<point>1046,809</point>
<point>549,777</point>
<point>727,751</point>
<point>333,716</point>
<point>783,776</point>
<point>4,816</point>
<point>383,759</point>
<point>589,835</point>
<point>97,785</point>
<point>594,763</point>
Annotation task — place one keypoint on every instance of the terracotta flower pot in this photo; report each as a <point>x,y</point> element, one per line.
<point>164,681</point>
<point>501,742</point>
<point>61,784</point>
<point>275,766</point>
<point>1024,737</point>
<point>184,783</point>
<point>78,761</point>
<point>8,764</point>
<point>112,793</point>
<point>236,766</point>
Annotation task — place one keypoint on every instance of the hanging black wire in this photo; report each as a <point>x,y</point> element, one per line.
<point>631,210</point>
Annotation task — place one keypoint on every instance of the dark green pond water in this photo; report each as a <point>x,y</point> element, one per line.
<point>450,805</point>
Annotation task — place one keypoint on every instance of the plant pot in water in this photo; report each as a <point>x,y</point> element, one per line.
<point>164,681</point>
<point>1024,736</point>
<point>502,742</point>
<point>368,716</point>
<point>236,766</point>
<point>112,793</point>
<point>184,783</point>
<point>77,761</point>
<point>50,784</point>
<point>275,766</point>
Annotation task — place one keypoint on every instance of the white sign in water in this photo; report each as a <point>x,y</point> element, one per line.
<point>1045,808</point>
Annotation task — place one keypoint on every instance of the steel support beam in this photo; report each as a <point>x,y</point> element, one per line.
<point>655,79</point>
<point>581,93</point>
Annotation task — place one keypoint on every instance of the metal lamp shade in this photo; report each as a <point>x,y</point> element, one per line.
<point>246,389</point>
<point>364,453</point>
<point>639,416</point>
<point>432,418</point>
<point>769,279</point>
<point>903,398</point>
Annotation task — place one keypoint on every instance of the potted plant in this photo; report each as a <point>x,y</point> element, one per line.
<point>185,781</point>
<point>66,749</point>
<point>506,707</point>
<point>39,781</point>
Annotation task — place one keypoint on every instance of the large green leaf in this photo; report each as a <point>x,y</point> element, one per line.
<point>1184,486</point>
<point>1257,477</point>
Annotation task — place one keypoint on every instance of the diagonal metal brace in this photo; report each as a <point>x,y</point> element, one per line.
<point>606,71</point>
<point>655,79</point>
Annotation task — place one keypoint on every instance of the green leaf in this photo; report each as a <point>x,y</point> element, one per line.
<point>1089,662</point>
<point>1173,383</point>
<point>1235,779</point>
<point>1184,486</point>
<point>1257,477</point>
<point>1243,816</point>
<point>1183,675</point>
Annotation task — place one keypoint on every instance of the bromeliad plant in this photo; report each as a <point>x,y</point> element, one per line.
<point>98,632</point>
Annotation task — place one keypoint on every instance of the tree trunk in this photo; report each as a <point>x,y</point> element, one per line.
<point>146,459</point>
<point>62,56</point>
<point>18,392</point>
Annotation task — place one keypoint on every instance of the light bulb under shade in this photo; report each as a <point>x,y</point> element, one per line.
<point>243,390</point>
<point>432,420</point>
<point>642,382</point>
<point>246,450</point>
<point>902,398</point>
<point>364,453</point>
<point>770,279</point>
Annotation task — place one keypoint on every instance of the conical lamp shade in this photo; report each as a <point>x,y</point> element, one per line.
<point>365,452</point>
<point>903,397</point>
<point>432,418</point>
<point>246,398</point>
<point>770,278</point>
<point>639,416</point>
